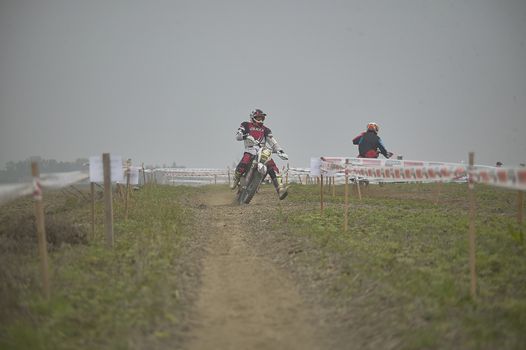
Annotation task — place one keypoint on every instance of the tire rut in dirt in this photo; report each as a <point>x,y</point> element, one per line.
<point>244,301</point>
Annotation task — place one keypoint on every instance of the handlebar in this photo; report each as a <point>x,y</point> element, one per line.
<point>256,143</point>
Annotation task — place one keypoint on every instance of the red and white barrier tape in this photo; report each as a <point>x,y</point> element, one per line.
<point>193,171</point>
<point>514,178</point>
<point>387,170</point>
<point>12,191</point>
<point>55,180</point>
<point>37,189</point>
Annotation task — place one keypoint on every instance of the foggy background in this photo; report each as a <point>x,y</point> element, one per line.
<point>164,81</point>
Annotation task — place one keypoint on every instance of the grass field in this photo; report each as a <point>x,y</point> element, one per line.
<point>397,279</point>
<point>113,299</point>
<point>402,267</point>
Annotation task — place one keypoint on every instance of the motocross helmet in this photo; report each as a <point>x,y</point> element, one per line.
<point>373,127</point>
<point>257,117</point>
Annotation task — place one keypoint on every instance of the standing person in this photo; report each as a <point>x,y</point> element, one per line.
<point>369,143</point>
<point>254,133</point>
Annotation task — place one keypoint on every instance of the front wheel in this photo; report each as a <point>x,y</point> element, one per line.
<point>248,191</point>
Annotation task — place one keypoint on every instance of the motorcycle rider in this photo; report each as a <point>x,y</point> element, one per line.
<point>369,143</point>
<point>254,133</point>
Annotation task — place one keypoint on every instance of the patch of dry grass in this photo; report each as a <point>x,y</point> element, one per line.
<point>125,297</point>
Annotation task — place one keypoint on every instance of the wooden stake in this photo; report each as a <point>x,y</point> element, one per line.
<point>333,186</point>
<point>41,229</point>
<point>472,257</point>
<point>108,202</point>
<point>228,176</point>
<point>321,194</point>
<point>438,191</point>
<point>299,178</point>
<point>92,187</point>
<point>128,163</point>
<point>215,179</point>
<point>520,206</point>
<point>122,192</point>
<point>358,187</point>
<point>346,216</point>
<point>143,176</point>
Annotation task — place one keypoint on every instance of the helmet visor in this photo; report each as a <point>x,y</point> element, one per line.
<point>259,117</point>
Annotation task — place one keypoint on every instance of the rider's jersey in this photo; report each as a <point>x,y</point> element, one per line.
<point>261,134</point>
<point>368,143</point>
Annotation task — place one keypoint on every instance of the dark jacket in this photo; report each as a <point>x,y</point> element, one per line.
<point>368,145</point>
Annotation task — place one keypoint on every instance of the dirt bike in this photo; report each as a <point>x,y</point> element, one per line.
<point>389,155</point>
<point>250,181</point>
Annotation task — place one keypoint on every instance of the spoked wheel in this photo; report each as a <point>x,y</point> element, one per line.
<point>247,190</point>
<point>252,187</point>
<point>241,190</point>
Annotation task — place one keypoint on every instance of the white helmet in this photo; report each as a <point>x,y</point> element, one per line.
<point>373,127</point>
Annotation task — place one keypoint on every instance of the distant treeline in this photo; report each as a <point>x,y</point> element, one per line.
<point>21,171</point>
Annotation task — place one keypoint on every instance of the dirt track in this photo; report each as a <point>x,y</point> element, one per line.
<point>245,301</point>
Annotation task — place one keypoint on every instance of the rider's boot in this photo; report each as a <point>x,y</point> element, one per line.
<point>235,182</point>
<point>280,188</point>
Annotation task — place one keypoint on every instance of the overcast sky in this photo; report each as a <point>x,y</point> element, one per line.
<point>164,81</point>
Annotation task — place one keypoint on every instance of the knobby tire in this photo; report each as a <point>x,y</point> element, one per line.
<point>249,192</point>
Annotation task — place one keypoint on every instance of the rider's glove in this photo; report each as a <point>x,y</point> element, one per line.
<point>282,154</point>
<point>251,139</point>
